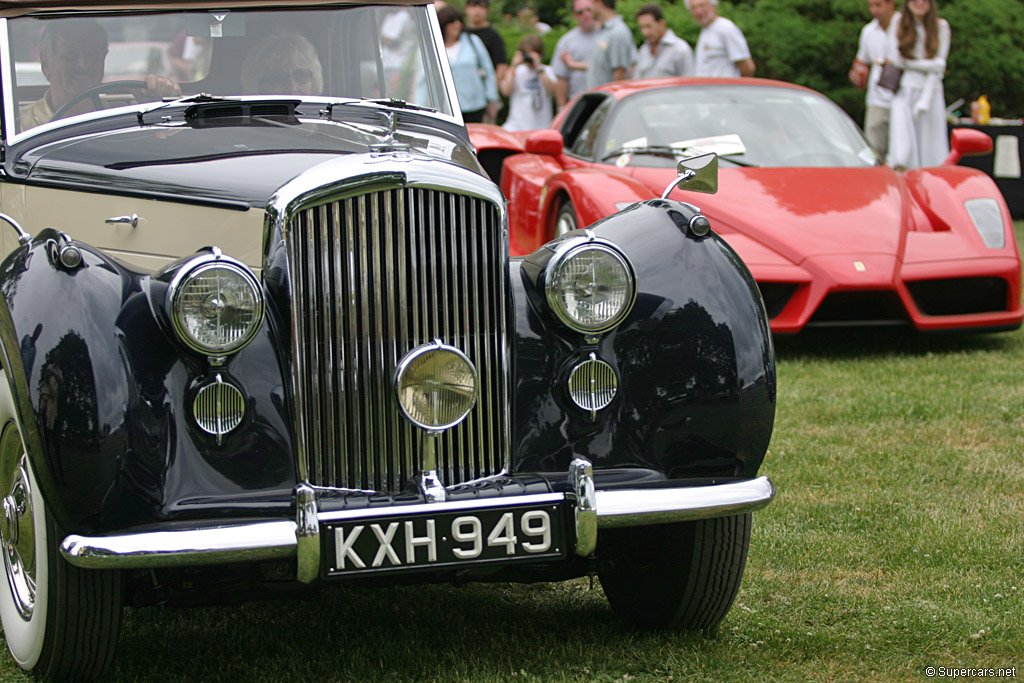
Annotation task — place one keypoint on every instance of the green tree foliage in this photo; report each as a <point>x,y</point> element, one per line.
<point>813,43</point>
<point>987,53</point>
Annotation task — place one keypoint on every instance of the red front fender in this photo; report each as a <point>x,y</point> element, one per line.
<point>594,193</point>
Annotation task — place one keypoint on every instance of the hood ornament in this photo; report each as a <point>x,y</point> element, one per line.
<point>388,143</point>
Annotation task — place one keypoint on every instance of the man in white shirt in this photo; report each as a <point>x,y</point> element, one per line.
<point>572,53</point>
<point>663,52</point>
<point>872,50</point>
<point>722,51</point>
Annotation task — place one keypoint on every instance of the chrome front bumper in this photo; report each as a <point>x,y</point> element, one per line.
<point>260,541</point>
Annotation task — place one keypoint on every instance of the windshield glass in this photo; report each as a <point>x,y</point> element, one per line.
<point>746,125</point>
<point>64,65</point>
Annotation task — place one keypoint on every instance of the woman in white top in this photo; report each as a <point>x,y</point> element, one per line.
<point>917,129</point>
<point>529,86</point>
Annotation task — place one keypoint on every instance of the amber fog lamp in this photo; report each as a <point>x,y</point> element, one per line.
<point>216,305</point>
<point>436,386</point>
<point>590,285</point>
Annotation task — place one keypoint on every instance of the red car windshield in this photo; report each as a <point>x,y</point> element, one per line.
<point>748,125</point>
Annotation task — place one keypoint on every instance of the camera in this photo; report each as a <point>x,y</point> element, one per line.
<point>530,59</point>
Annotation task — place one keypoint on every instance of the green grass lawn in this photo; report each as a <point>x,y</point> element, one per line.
<point>896,543</point>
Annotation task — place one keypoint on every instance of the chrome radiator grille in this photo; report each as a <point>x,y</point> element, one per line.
<point>373,276</point>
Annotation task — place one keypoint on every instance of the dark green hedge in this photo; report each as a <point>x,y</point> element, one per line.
<point>813,42</point>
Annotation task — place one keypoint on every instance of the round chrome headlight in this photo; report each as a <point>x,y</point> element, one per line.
<point>436,386</point>
<point>216,305</point>
<point>590,285</point>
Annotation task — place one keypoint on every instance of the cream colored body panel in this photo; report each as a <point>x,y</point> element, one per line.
<point>166,230</point>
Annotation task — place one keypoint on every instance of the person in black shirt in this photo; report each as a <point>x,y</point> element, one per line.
<point>477,23</point>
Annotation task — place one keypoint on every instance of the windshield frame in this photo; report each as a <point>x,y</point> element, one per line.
<point>433,77</point>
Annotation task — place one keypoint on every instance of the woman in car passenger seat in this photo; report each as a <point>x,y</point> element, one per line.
<point>286,63</point>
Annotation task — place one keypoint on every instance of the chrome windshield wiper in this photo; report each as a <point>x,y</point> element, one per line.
<point>655,150</point>
<point>669,153</point>
<point>744,164</point>
<point>385,102</point>
<point>399,104</point>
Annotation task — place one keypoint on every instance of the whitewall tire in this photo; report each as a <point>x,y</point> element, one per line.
<point>60,622</point>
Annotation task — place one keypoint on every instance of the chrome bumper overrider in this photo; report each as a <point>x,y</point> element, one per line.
<point>260,541</point>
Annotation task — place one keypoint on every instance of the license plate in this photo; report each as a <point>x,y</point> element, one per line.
<point>474,536</point>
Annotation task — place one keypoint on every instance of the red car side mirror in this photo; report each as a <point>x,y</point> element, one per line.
<point>546,141</point>
<point>967,142</point>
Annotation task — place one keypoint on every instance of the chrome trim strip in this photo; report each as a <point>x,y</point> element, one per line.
<point>447,506</point>
<point>446,71</point>
<point>8,92</point>
<point>640,507</point>
<point>187,547</point>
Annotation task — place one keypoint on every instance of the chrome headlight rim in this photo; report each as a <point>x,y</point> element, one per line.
<point>571,248</point>
<point>185,275</point>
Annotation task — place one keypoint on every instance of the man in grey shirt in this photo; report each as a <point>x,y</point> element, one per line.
<point>572,53</point>
<point>614,53</point>
<point>663,52</point>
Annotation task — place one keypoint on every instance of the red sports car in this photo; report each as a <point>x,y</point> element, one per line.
<point>832,236</point>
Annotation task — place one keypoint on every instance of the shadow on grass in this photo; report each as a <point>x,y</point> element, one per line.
<point>432,632</point>
<point>830,343</point>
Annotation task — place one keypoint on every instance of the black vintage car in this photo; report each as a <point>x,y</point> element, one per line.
<point>259,326</point>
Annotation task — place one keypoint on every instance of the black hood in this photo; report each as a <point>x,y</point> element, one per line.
<point>231,159</point>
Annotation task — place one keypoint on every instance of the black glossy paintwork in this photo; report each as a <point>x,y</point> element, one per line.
<point>108,388</point>
<point>695,360</point>
<point>242,163</point>
<point>118,448</point>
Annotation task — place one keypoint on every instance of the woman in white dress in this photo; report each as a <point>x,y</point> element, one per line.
<point>917,128</point>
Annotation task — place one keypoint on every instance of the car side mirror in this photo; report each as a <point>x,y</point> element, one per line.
<point>967,142</point>
<point>700,173</point>
<point>545,141</point>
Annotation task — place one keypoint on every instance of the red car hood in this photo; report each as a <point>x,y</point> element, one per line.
<point>799,213</point>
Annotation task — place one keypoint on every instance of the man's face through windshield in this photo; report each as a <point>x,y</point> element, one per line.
<point>73,61</point>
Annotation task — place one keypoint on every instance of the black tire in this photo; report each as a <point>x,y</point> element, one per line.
<point>683,575</point>
<point>60,622</point>
<point>565,219</point>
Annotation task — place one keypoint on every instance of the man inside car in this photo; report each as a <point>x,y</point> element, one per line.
<point>72,54</point>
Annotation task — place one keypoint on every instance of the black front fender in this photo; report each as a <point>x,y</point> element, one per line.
<point>103,392</point>
<point>695,360</point>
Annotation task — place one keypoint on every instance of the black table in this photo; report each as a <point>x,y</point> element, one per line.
<point>1008,140</point>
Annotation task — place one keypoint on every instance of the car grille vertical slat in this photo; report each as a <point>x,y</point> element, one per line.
<point>339,466</point>
<point>374,276</point>
<point>443,232</point>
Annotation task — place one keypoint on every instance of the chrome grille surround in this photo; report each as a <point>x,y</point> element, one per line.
<point>405,250</point>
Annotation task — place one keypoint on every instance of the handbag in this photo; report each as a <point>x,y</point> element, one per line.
<point>890,77</point>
